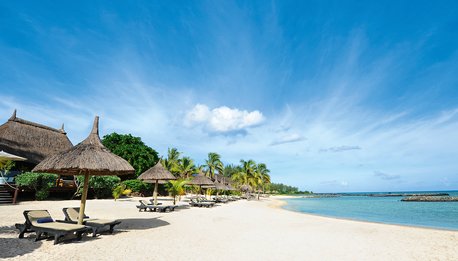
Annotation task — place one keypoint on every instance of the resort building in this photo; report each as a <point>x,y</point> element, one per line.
<point>32,141</point>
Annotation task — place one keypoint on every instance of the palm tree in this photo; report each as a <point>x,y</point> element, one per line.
<point>230,170</point>
<point>167,164</point>
<point>176,188</point>
<point>260,177</point>
<point>264,172</point>
<point>173,154</point>
<point>213,164</point>
<point>173,159</point>
<point>245,174</point>
<point>185,167</point>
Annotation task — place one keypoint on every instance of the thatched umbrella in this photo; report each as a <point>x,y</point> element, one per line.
<point>155,174</point>
<point>245,188</point>
<point>201,180</point>
<point>89,158</point>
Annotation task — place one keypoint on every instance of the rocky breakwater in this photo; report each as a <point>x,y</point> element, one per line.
<point>408,195</point>
<point>430,199</point>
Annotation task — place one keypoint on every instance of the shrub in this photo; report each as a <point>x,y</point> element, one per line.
<point>101,185</point>
<point>137,185</point>
<point>39,182</point>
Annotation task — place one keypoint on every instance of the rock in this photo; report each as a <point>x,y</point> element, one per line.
<point>430,199</point>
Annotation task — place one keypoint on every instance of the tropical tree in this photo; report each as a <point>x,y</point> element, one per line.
<point>185,167</point>
<point>173,160</point>
<point>245,174</point>
<point>213,164</point>
<point>132,149</point>
<point>260,177</point>
<point>176,188</point>
<point>230,169</point>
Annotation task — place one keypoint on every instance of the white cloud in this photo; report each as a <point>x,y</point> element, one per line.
<point>222,119</point>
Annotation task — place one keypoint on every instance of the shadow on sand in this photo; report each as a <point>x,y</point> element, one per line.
<point>141,223</point>
<point>14,247</point>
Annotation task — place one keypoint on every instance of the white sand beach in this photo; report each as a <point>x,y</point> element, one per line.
<point>242,230</point>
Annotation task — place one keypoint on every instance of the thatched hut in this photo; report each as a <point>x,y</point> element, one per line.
<point>31,140</point>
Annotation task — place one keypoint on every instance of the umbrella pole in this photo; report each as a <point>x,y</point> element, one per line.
<point>83,199</point>
<point>155,192</point>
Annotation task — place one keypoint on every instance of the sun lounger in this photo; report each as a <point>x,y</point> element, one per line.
<point>41,222</point>
<point>72,214</point>
<point>196,203</point>
<point>147,206</point>
<point>170,207</point>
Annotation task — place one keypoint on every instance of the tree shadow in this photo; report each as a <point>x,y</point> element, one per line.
<point>141,223</point>
<point>14,247</point>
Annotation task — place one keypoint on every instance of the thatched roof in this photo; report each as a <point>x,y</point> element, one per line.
<point>229,187</point>
<point>31,140</point>
<point>201,180</point>
<point>90,156</point>
<point>245,188</point>
<point>158,172</point>
<point>220,186</point>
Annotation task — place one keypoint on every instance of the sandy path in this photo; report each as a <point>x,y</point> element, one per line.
<point>243,230</point>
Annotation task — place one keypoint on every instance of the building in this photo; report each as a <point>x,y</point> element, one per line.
<point>32,141</point>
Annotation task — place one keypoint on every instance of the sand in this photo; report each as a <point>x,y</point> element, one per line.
<point>242,230</point>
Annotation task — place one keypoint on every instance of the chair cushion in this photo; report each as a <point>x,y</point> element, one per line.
<point>45,220</point>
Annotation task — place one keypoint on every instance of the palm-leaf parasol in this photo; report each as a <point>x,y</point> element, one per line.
<point>201,181</point>
<point>155,174</point>
<point>88,158</point>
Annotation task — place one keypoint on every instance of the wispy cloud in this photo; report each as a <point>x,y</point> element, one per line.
<point>336,183</point>
<point>288,138</point>
<point>386,176</point>
<point>340,148</point>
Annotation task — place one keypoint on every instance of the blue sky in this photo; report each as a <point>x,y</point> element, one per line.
<point>331,95</point>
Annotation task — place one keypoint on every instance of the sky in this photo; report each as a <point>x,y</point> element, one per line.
<point>334,96</point>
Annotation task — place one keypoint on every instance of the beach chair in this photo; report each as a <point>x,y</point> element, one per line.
<point>97,225</point>
<point>195,203</point>
<point>170,207</point>
<point>147,206</point>
<point>205,201</point>
<point>41,222</point>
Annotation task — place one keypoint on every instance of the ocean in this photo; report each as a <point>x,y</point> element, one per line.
<point>389,210</point>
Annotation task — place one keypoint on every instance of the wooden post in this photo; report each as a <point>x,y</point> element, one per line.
<point>83,199</point>
<point>16,192</point>
<point>155,192</point>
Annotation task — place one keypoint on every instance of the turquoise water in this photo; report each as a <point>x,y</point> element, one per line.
<point>390,210</point>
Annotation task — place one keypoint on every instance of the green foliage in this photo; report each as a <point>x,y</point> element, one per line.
<point>132,149</point>
<point>118,191</point>
<point>137,185</point>
<point>101,185</point>
<point>278,188</point>
<point>6,166</point>
<point>213,164</point>
<point>39,182</point>
<point>185,167</point>
<point>176,188</point>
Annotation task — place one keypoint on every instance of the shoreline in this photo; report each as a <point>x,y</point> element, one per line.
<point>240,230</point>
<point>284,203</point>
